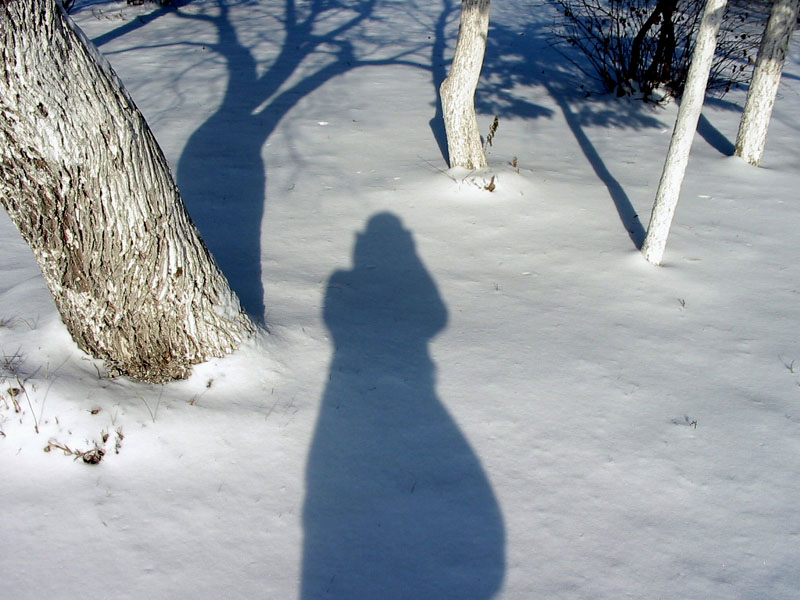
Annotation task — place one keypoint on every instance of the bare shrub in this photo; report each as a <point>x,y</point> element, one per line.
<point>639,46</point>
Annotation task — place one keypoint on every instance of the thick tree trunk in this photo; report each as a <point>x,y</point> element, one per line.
<point>752,135</point>
<point>458,90</point>
<point>669,188</point>
<point>84,180</point>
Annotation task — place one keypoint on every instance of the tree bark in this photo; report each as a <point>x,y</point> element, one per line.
<point>669,188</point>
<point>458,90</point>
<point>752,136</point>
<point>89,189</point>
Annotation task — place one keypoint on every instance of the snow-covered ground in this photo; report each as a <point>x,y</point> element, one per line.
<point>463,393</point>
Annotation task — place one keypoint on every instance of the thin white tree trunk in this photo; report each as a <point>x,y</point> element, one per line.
<point>86,184</point>
<point>458,90</point>
<point>753,127</point>
<point>669,188</point>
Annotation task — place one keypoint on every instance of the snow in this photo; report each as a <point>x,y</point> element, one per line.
<point>463,393</point>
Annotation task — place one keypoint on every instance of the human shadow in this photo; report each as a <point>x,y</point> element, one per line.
<point>397,503</point>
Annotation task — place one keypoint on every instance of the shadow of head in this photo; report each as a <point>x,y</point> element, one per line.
<point>388,293</point>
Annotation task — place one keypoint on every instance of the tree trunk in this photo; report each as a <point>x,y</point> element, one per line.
<point>632,73</point>
<point>86,184</point>
<point>669,188</point>
<point>752,135</point>
<point>660,70</point>
<point>458,90</point>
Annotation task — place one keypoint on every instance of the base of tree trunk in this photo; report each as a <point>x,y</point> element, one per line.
<point>89,189</point>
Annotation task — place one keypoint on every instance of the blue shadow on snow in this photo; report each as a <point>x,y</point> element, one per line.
<point>397,503</point>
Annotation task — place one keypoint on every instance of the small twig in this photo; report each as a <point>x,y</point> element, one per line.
<point>152,416</point>
<point>9,361</point>
<point>789,366</point>
<point>14,392</point>
<point>443,172</point>
<point>492,131</point>
<point>197,397</point>
<point>63,447</point>
<point>160,395</point>
<point>118,442</point>
<point>28,398</point>
<point>92,457</point>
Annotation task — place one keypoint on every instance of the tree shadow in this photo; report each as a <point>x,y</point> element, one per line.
<point>159,10</point>
<point>439,74</point>
<point>397,503</point>
<point>221,173</point>
<point>714,137</point>
<point>627,213</point>
<point>524,58</point>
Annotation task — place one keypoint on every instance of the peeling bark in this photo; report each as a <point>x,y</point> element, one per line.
<point>458,90</point>
<point>89,189</point>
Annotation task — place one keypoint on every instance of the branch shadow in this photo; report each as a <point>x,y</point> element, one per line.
<point>139,22</point>
<point>221,172</point>
<point>397,503</point>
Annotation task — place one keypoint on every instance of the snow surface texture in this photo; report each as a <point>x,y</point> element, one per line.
<point>464,394</point>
